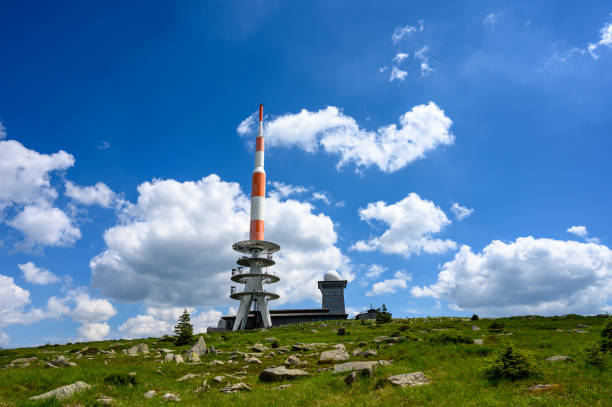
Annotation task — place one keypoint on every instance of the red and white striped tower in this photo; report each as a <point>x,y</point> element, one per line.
<point>260,251</point>
<point>258,185</point>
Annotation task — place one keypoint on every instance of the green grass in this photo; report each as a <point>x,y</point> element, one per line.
<point>454,367</point>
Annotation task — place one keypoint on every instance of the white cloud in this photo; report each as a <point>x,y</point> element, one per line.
<point>142,326</point>
<point>37,275</point>
<point>282,190</point>
<point>94,332</point>
<point>202,320</point>
<point>578,231</point>
<point>397,73</point>
<point>12,296</point>
<point>421,25</point>
<point>490,20</point>
<point>390,286</point>
<point>399,57</point>
<point>375,270</point>
<point>401,32</point>
<point>454,307</point>
<point>383,69</point>
<point>90,310</point>
<point>176,247</point>
<point>605,40</point>
<point>421,55</point>
<point>99,194</point>
<point>24,174</point>
<point>390,148</point>
<point>321,196</point>
<point>461,212</point>
<point>2,131</point>
<point>527,276</point>
<point>411,223</point>
<point>4,339</point>
<point>46,226</point>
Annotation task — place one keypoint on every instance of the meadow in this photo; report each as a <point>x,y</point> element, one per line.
<point>441,348</point>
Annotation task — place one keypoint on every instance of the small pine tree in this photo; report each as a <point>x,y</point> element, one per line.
<point>382,315</point>
<point>184,329</point>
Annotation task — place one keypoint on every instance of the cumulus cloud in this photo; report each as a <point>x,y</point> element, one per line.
<point>401,32</point>
<point>90,310</point>
<point>605,40</point>
<point>375,270</point>
<point>578,231</point>
<point>94,332</point>
<point>390,286</point>
<point>390,148</point>
<point>410,223</point>
<point>37,275</point>
<point>399,57</point>
<point>142,326</point>
<point>25,174</point>
<point>4,339</point>
<point>461,212</point>
<point>397,74</point>
<point>45,225</point>
<point>175,248</point>
<point>2,131</point>
<point>321,196</point>
<point>161,321</point>
<point>98,194</point>
<point>527,276</point>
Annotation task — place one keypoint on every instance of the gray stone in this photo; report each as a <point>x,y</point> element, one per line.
<point>356,352</point>
<point>294,361</point>
<point>202,388</point>
<point>556,358</point>
<point>336,355</point>
<point>136,349</point>
<point>169,357</point>
<point>212,350</point>
<point>236,387</point>
<point>216,362</point>
<point>252,360</point>
<point>199,348</point>
<point>219,379</point>
<point>273,374</point>
<point>538,388</point>
<point>368,353</point>
<point>475,328</point>
<point>258,347</point>
<point>339,346</point>
<point>178,359</point>
<point>359,366</point>
<point>24,360</point>
<point>479,341</point>
<point>300,346</point>
<point>60,361</point>
<point>409,379</point>
<point>150,394</point>
<point>105,400</point>
<point>193,357</point>
<point>350,378</point>
<point>63,392</point>
<point>171,397</point>
<point>188,376</point>
<point>282,386</point>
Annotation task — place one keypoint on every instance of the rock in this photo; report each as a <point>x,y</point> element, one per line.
<point>273,374</point>
<point>337,355</point>
<point>368,353</point>
<point>132,373</point>
<point>236,387</point>
<point>216,362</point>
<point>219,379</point>
<point>63,392</point>
<point>475,328</point>
<point>359,366</point>
<point>409,379</point>
<point>202,388</point>
<point>193,357</point>
<point>171,397</point>
<point>300,346</point>
<point>166,350</point>
<point>86,351</point>
<point>313,331</point>
<point>21,361</point>
<point>560,357</point>
<point>212,350</point>
<point>294,361</point>
<point>169,357</point>
<point>582,326</point>
<point>394,339</point>
<point>350,378</point>
<point>60,361</point>
<point>356,352</point>
<point>252,360</point>
<point>341,331</point>
<point>270,355</point>
<point>282,386</point>
<point>105,400</point>
<point>478,341</point>
<point>339,346</point>
<point>197,350</point>
<point>362,344</point>
<point>538,388</point>
<point>188,376</point>
<point>258,347</point>
<point>136,349</point>
<point>178,359</point>
<point>380,339</point>
<point>150,394</point>
<point>580,331</point>
<point>270,339</point>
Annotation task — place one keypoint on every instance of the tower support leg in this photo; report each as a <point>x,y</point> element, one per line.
<point>243,313</point>
<point>265,312</point>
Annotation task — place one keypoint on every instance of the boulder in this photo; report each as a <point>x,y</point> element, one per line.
<point>557,358</point>
<point>212,350</point>
<point>136,349</point>
<point>236,387</point>
<point>336,355</point>
<point>150,394</point>
<point>199,348</point>
<point>87,351</point>
<point>60,361</point>
<point>63,392</point>
<point>169,357</point>
<point>356,352</point>
<point>409,379</point>
<point>300,347</point>
<point>368,353</point>
<point>294,361</point>
<point>359,366</point>
<point>171,397</point>
<point>258,347</point>
<point>193,357</point>
<point>273,374</point>
<point>252,360</point>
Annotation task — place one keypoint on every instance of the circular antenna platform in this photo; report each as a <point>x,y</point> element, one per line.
<point>270,296</point>
<point>249,246</point>
<point>255,261</point>
<point>266,278</point>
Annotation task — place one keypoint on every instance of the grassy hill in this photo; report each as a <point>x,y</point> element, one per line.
<point>441,348</point>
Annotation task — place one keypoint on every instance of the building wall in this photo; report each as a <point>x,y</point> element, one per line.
<point>332,293</point>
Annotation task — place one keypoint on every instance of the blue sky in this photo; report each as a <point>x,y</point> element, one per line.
<point>126,156</point>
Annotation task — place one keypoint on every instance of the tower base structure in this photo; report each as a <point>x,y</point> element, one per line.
<point>258,260</point>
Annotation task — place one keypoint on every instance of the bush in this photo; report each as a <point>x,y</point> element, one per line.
<point>120,379</point>
<point>275,344</point>
<point>443,338</point>
<point>496,327</point>
<point>382,315</point>
<point>403,327</point>
<point>606,337</point>
<point>594,356</point>
<point>475,317</point>
<point>512,364</point>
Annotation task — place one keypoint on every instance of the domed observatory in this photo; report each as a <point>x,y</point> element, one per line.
<point>332,290</point>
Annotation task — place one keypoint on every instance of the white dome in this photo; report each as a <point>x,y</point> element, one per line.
<point>332,276</point>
